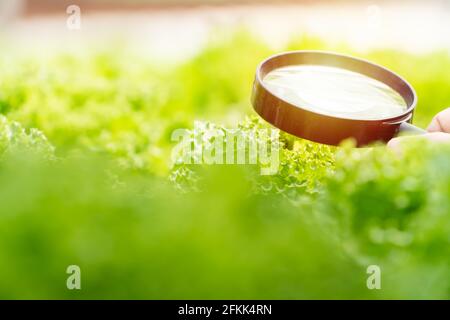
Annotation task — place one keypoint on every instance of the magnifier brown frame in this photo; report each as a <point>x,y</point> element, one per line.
<point>323,128</point>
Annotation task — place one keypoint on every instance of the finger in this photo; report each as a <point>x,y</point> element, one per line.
<point>434,136</point>
<point>441,122</point>
<point>395,143</point>
<point>438,136</point>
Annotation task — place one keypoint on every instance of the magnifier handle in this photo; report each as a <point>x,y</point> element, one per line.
<point>409,129</point>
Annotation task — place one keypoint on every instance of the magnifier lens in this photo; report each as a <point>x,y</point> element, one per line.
<point>336,92</point>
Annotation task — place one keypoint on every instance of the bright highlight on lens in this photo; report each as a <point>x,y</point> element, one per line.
<point>336,92</point>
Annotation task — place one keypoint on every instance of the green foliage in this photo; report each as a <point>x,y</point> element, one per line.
<point>302,164</point>
<point>141,226</point>
<point>394,208</point>
<point>15,139</point>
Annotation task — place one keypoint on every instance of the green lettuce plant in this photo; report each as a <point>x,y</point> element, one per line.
<point>140,226</point>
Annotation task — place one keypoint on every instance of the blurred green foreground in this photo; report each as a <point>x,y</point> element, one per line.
<point>86,179</point>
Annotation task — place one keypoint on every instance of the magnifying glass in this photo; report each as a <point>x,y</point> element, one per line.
<point>326,98</point>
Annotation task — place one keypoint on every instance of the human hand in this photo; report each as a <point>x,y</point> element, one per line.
<point>438,130</point>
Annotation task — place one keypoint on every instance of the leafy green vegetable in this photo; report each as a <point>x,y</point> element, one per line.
<point>14,138</point>
<point>141,226</point>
